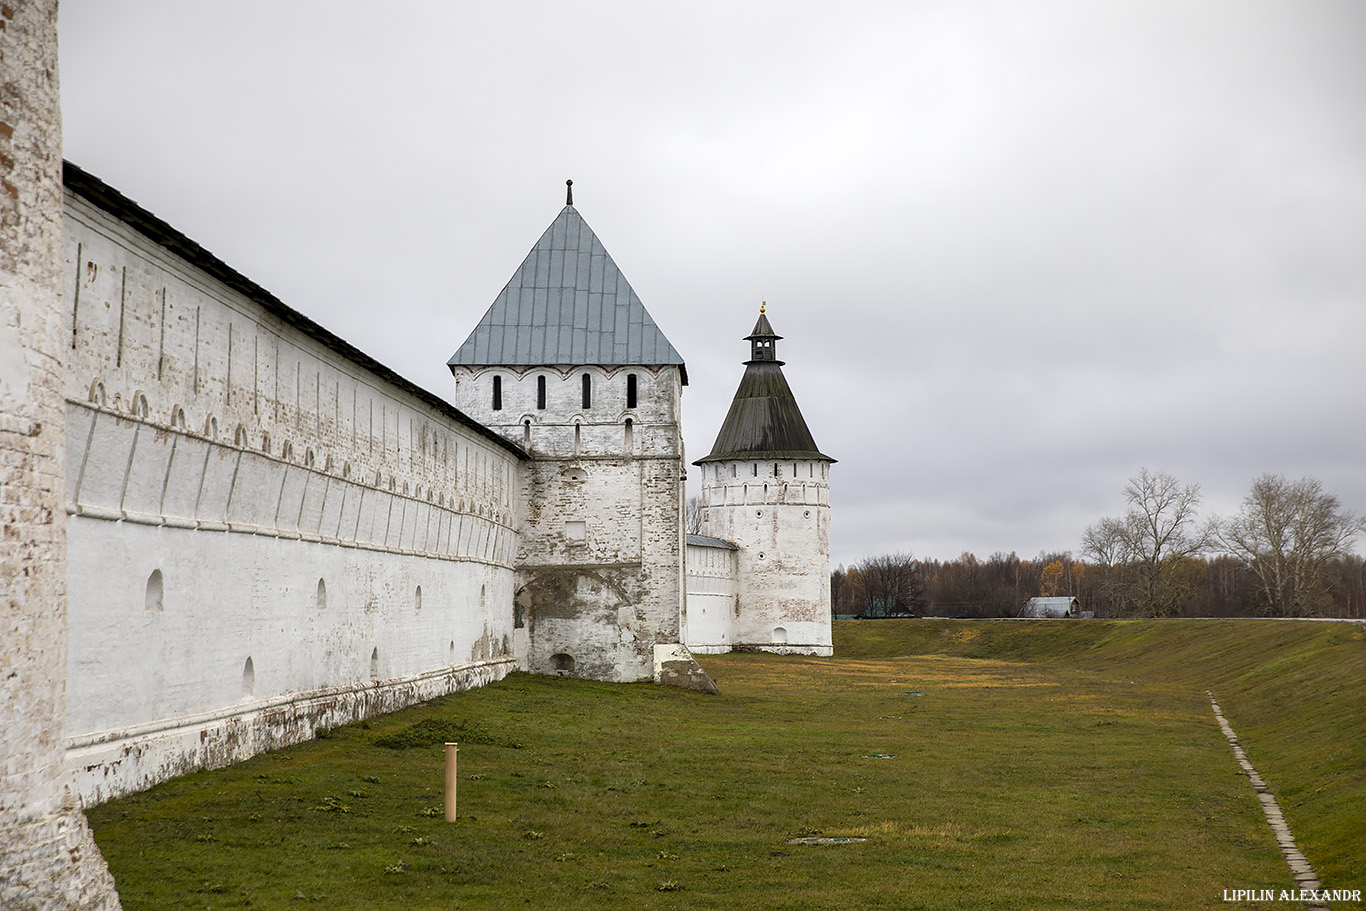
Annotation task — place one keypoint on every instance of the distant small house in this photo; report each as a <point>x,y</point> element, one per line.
<point>1061,606</point>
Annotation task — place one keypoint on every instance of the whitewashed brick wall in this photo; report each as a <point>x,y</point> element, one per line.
<point>268,535</point>
<point>600,570</point>
<point>778,514</point>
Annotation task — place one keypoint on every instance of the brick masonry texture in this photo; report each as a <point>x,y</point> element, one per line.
<point>48,859</point>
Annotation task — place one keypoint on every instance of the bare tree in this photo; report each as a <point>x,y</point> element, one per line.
<point>692,515</point>
<point>891,584</point>
<point>1149,546</point>
<point>1289,533</point>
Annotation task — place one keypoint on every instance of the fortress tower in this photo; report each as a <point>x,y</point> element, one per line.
<point>568,364</point>
<point>765,488</point>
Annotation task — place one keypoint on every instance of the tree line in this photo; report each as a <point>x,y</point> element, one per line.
<point>1284,553</point>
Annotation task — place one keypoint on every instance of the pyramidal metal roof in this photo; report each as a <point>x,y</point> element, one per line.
<point>567,303</point>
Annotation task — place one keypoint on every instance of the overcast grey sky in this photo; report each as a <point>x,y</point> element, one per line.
<point>1017,250</point>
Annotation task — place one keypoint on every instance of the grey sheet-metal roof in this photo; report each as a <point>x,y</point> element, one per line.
<point>567,303</point>
<point>709,541</point>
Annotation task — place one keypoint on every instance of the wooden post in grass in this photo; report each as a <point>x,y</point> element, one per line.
<point>451,750</point>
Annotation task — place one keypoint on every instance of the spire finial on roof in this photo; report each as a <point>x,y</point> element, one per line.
<point>569,192</point>
<point>762,305</point>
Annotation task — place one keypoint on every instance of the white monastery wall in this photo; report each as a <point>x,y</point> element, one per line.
<point>48,859</point>
<point>713,598</point>
<point>269,532</point>
<point>778,514</point>
<point>600,578</point>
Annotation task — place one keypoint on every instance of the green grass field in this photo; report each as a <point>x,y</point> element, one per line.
<point>1008,765</point>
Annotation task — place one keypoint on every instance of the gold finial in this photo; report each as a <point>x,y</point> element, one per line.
<point>762,305</point>
<point>569,192</point>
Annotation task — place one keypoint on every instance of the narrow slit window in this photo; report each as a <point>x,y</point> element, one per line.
<point>630,390</point>
<point>587,391</point>
<point>540,392</point>
<point>497,393</point>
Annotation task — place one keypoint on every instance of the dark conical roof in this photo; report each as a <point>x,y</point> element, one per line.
<point>762,328</point>
<point>764,421</point>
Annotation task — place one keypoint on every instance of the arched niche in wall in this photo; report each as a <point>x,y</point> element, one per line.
<point>779,635</point>
<point>374,663</point>
<point>153,603</point>
<point>248,679</point>
<point>562,663</point>
<point>321,599</point>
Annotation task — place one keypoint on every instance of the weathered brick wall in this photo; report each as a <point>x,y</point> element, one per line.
<point>600,570</point>
<point>267,533</point>
<point>778,514</point>
<point>47,858</point>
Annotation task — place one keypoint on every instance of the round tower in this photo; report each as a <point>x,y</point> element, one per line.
<point>765,489</point>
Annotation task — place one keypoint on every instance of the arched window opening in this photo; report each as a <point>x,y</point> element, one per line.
<point>97,393</point>
<point>775,469</point>
<point>178,418</point>
<point>239,437</point>
<point>287,451</point>
<point>211,427</point>
<point>562,664</point>
<point>754,469</point>
<point>526,434</point>
<point>140,407</point>
<point>265,443</point>
<point>587,391</point>
<point>578,437</point>
<point>629,435</point>
<point>483,592</point>
<point>321,600</point>
<point>540,392</point>
<point>374,663</point>
<point>733,469</point>
<point>630,390</point>
<point>451,660</point>
<point>155,592</point>
<point>417,599</point>
<point>308,458</point>
<point>248,679</point>
<point>497,393</point>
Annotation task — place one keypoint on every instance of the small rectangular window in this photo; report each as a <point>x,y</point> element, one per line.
<point>630,390</point>
<point>540,392</point>
<point>497,393</point>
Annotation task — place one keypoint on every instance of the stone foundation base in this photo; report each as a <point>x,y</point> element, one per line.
<point>112,763</point>
<point>52,864</point>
